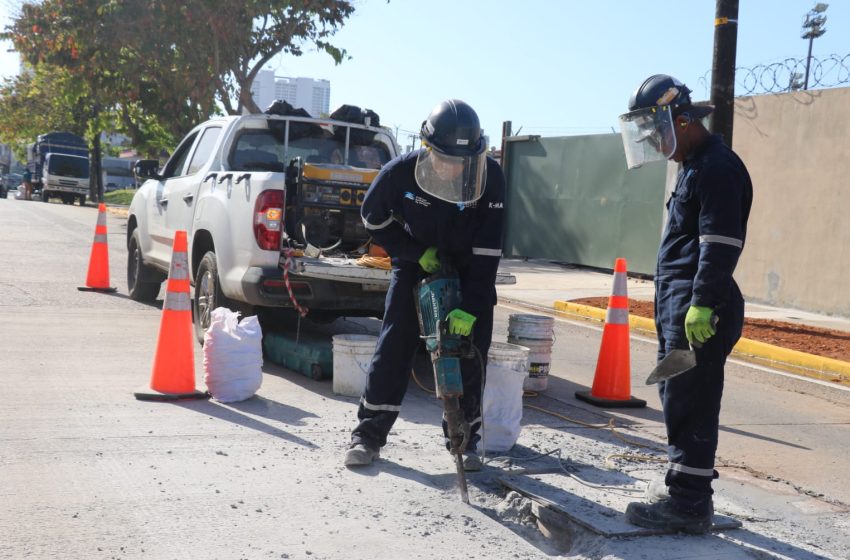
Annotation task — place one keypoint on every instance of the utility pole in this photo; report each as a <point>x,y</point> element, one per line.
<point>813,27</point>
<point>723,68</point>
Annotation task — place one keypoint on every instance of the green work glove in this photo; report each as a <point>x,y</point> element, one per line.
<point>698,324</point>
<point>429,261</point>
<point>460,322</point>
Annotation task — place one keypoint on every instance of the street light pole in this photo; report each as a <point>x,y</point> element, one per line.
<point>813,27</point>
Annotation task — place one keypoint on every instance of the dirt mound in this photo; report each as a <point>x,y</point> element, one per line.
<point>821,342</point>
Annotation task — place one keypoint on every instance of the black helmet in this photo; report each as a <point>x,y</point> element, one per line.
<point>453,129</point>
<point>661,89</point>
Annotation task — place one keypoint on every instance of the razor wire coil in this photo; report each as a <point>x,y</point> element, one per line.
<point>788,75</point>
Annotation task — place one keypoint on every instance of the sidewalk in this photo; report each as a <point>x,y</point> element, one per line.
<point>550,286</point>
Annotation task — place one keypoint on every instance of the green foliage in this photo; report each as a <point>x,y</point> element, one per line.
<point>155,69</point>
<point>119,197</point>
<point>35,102</point>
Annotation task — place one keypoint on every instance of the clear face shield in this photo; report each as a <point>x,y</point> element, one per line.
<point>456,179</point>
<point>648,135</point>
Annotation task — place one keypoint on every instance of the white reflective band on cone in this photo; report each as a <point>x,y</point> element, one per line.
<point>620,284</point>
<point>617,316</point>
<point>100,238</point>
<point>179,270</point>
<point>177,301</point>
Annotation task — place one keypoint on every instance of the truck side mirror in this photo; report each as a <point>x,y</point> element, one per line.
<point>146,169</point>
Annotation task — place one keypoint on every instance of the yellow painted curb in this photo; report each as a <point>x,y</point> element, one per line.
<point>801,363</point>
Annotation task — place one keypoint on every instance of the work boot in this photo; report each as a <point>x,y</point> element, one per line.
<point>656,491</point>
<point>471,461</point>
<point>360,455</point>
<point>665,517</point>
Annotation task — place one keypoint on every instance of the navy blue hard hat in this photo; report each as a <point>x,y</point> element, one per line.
<point>661,89</point>
<point>453,129</point>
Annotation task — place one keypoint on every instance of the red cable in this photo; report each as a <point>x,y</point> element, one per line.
<point>301,310</point>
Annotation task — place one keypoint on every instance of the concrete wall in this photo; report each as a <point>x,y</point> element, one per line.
<point>797,149</point>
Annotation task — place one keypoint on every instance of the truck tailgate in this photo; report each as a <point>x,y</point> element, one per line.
<point>347,270</point>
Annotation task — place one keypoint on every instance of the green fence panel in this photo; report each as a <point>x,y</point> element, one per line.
<point>571,199</point>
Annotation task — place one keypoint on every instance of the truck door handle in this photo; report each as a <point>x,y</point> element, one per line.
<point>187,198</point>
<point>163,201</point>
<point>210,176</point>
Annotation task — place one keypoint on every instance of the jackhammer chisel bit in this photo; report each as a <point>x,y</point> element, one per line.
<point>458,431</point>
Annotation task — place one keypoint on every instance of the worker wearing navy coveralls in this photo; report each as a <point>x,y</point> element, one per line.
<point>696,299</point>
<point>442,203</point>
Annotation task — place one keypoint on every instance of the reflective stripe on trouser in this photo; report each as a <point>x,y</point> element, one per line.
<point>691,403</point>
<point>395,352</point>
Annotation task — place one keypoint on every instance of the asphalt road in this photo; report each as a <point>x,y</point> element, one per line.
<point>72,437</point>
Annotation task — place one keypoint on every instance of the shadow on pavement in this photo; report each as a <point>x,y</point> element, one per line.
<point>281,412</point>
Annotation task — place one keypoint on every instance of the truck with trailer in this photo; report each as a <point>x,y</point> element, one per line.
<point>59,163</point>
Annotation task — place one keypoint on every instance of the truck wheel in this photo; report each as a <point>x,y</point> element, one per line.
<point>82,200</point>
<point>67,199</point>
<point>208,294</point>
<point>45,197</point>
<point>141,278</point>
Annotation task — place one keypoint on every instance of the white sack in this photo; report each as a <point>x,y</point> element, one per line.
<point>233,356</point>
<point>502,408</point>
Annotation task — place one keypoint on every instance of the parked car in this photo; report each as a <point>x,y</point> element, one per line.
<point>10,183</point>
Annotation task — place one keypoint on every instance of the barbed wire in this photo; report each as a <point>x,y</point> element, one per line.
<point>788,75</point>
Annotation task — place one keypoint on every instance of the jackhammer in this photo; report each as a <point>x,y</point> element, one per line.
<point>436,296</point>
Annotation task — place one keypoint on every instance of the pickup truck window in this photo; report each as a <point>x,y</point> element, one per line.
<point>204,149</point>
<point>175,164</point>
<point>257,150</point>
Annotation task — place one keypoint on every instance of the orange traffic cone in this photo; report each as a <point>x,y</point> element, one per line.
<point>173,375</point>
<point>612,382</point>
<point>98,276</point>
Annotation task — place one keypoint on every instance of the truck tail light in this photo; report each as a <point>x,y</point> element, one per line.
<point>268,219</point>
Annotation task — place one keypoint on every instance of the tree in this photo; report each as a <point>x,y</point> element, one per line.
<point>266,28</point>
<point>164,66</point>
<point>40,100</point>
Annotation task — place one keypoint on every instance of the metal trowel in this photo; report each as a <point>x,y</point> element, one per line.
<point>675,362</point>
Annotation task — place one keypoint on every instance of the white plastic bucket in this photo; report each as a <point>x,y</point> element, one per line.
<point>510,356</point>
<point>539,361</point>
<point>521,325</point>
<point>501,406</point>
<point>352,356</point>
<point>535,332</point>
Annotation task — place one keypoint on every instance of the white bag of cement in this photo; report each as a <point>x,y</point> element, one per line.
<point>501,407</point>
<point>233,356</point>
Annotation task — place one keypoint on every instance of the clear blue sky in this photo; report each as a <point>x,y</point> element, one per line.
<point>552,67</point>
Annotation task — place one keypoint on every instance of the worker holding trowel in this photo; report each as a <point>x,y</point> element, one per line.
<point>438,206</point>
<point>697,302</point>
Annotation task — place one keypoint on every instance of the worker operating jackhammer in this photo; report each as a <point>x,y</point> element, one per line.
<point>440,205</point>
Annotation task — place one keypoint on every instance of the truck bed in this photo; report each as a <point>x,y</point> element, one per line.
<point>347,270</point>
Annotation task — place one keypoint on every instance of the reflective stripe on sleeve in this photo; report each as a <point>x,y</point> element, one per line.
<point>690,470</point>
<point>380,407</point>
<point>721,239</point>
<point>486,252</point>
<point>382,225</point>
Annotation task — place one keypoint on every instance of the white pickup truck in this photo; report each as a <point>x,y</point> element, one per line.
<point>254,192</point>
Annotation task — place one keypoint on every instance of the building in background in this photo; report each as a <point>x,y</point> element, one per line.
<point>306,93</point>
